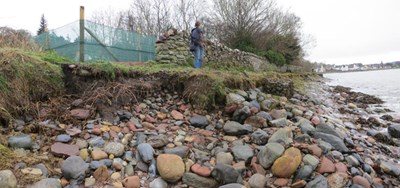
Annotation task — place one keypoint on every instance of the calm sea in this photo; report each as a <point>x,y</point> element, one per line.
<point>384,84</point>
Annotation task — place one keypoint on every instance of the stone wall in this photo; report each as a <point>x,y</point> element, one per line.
<point>175,49</point>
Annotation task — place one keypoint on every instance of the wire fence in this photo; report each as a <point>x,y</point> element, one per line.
<point>101,43</point>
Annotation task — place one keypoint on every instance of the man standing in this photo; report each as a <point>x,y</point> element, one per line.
<point>197,45</point>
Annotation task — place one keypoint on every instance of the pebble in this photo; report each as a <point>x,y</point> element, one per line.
<point>146,152</point>
<point>224,174</point>
<point>197,181</point>
<point>337,180</point>
<point>224,158</point>
<point>361,181</point>
<point>89,182</point>
<point>282,136</point>
<point>21,141</point>
<point>132,182</point>
<point>233,128</point>
<point>63,138</point>
<point>200,170</point>
<point>287,164</point>
<point>158,183</point>
<point>61,149</point>
<point>7,179</point>
<point>258,181</point>
<point>74,168</point>
<point>269,154</point>
<point>98,154</point>
<point>170,167</point>
<point>318,181</point>
<point>115,148</point>
<point>259,137</point>
<point>47,183</point>
<point>242,152</point>
<point>311,160</point>
<point>326,166</point>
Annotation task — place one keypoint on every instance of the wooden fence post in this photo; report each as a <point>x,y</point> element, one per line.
<point>82,34</point>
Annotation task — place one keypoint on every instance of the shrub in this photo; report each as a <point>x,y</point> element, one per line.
<point>274,57</point>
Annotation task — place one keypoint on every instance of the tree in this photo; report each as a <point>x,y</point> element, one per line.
<point>43,25</point>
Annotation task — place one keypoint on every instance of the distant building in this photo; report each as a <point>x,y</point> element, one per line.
<point>344,68</point>
<point>320,69</point>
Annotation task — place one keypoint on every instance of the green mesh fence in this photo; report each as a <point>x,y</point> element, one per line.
<point>101,43</point>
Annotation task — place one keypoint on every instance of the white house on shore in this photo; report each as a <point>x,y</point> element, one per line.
<point>344,68</point>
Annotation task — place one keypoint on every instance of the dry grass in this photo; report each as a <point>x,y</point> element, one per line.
<point>26,79</point>
<point>17,39</point>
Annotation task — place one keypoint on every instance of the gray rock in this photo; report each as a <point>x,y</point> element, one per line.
<point>257,181</point>
<point>324,128</point>
<point>236,129</point>
<point>264,115</point>
<point>81,143</point>
<point>266,104</point>
<point>259,137</point>
<point>140,138</point>
<point>232,185</point>
<point>394,130</point>
<point>158,183</point>
<point>352,161</point>
<point>335,141</point>
<point>47,183</point>
<point>325,146</point>
<point>304,172</point>
<point>95,164</point>
<point>278,114</point>
<point>21,141</point>
<point>240,115</point>
<point>281,122</point>
<point>129,170</point>
<point>97,142</point>
<point>198,121</point>
<point>224,158</point>
<point>337,155</point>
<point>318,182</point>
<point>115,148</point>
<point>390,168</point>
<point>254,104</point>
<point>242,152</point>
<point>7,179</point>
<point>146,152</point>
<point>43,168</point>
<point>195,180</point>
<point>311,160</point>
<point>303,138</point>
<point>182,151</point>
<point>269,154</point>
<point>63,138</point>
<point>158,141</point>
<point>128,156</point>
<point>74,168</point>
<point>283,136</point>
<point>306,126</point>
<point>225,174</point>
<point>233,98</point>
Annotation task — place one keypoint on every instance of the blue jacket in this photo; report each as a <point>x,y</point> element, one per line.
<point>196,36</point>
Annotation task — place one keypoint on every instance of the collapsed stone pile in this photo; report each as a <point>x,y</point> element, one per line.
<point>175,49</point>
<point>258,141</point>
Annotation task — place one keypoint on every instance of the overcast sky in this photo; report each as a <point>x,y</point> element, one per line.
<point>345,31</point>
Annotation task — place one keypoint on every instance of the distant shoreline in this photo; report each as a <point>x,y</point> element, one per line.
<point>330,72</point>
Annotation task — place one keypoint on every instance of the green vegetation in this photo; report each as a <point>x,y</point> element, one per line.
<point>274,57</point>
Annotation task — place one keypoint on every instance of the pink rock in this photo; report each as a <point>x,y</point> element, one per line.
<point>80,114</point>
<point>96,131</point>
<point>200,170</point>
<point>315,150</point>
<point>177,115</point>
<point>148,126</point>
<point>281,182</point>
<point>73,131</point>
<point>361,181</point>
<point>131,126</point>
<point>326,166</point>
<point>206,132</point>
<point>341,167</point>
<point>61,149</point>
<point>315,120</point>
<point>150,119</point>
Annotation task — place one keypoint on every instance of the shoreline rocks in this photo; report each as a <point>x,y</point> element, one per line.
<point>315,139</point>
